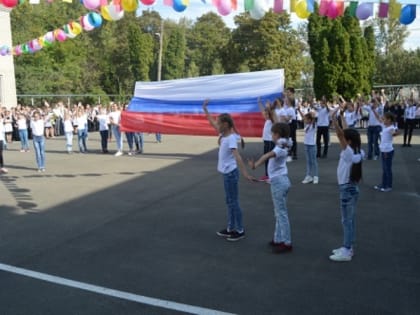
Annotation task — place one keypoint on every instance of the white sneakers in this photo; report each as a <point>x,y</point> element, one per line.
<point>119,153</point>
<point>342,254</point>
<point>307,180</point>
<point>310,179</point>
<point>3,170</point>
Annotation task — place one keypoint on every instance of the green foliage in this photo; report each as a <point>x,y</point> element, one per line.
<point>343,57</point>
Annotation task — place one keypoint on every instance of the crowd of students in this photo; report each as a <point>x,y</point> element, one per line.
<point>279,139</point>
<point>280,146</point>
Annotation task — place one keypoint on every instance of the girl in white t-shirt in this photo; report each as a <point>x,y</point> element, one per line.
<point>389,130</point>
<point>309,141</point>
<point>349,173</point>
<point>228,162</point>
<point>68,131</point>
<point>280,185</point>
<point>3,170</point>
<point>268,115</point>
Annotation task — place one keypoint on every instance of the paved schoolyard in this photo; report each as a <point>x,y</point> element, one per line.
<point>145,226</point>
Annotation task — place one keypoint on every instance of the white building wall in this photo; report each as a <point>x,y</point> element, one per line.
<point>7,68</point>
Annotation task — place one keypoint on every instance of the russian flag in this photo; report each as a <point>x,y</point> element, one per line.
<point>175,106</point>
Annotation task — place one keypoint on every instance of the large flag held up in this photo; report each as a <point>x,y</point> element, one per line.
<point>175,106</point>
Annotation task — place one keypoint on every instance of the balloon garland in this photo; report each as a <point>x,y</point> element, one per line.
<point>114,11</point>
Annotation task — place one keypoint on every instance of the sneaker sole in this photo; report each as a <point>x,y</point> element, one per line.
<point>235,239</point>
<point>341,259</point>
<point>222,235</point>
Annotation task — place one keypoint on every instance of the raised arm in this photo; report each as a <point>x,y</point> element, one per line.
<point>338,130</point>
<point>211,120</point>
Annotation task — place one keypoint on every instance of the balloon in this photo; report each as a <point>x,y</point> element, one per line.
<point>408,14</point>
<point>76,28</point>
<point>69,33</point>
<point>49,37</point>
<point>259,9</point>
<point>301,9</point>
<point>10,3</point>
<point>224,7</point>
<point>87,26</point>
<point>333,11</point>
<point>60,35</point>
<point>323,7</point>
<point>179,5</point>
<point>18,50</point>
<point>364,10</point>
<point>147,2</point>
<point>95,19</point>
<point>91,4</point>
<point>4,50</point>
<point>129,5</point>
<point>115,12</point>
<point>105,13</point>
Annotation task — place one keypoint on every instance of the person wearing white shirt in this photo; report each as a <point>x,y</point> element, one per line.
<point>23,132</point>
<point>103,121</point>
<point>323,128</point>
<point>81,122</point>
<point>389,130</point>
<point>374,128</point>
<point>68,131</point>
<point>409,121</point>
<point>38,127</point>
<point>280,186</point>
<point>114,119</point>
<point>269,118</point>
<point>3,170</point>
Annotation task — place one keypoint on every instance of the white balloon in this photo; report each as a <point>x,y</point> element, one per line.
<point>259,9</point>
<point>116,13</point>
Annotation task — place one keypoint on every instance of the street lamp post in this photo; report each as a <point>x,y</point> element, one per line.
<point>160,35</point>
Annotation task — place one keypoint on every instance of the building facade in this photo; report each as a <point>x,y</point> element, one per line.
<point>7,68</point>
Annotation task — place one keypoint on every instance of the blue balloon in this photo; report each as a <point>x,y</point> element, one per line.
<point>179,6</point>
<point>408,14</point>
<point>95,19</point>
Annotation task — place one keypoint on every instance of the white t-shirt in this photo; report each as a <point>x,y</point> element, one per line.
<point>281,114</point>
<point>81,122</point>
<point>116,116</point>
<point>350,117</point>
<point>347,158</point>
<point>103,122</point>
<point>410,112</point>
<point>2,130</point>
<point>227,162</point>
<point>266,135</point>
<point>22,124</point>
<point>277,165</point>
<point>37,127</point>
<point>68,125</point>
<point>386,138</point>
<point>373,121</point>
<point>291,112</point>
<point>310,134</point>
<point>323,116</point>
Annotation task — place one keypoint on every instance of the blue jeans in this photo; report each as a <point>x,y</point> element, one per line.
<point>387,169</point>
<point>230,181</point>
<point>69,141</point>
<point>349,193</point>
<point>280,186</point>
<point>104,140</point>
<point>311,162</point>
<point>118,139</point>
<point>139,140</point>
<point>81,138</point>
<point>130,140</point>
<point>158,137</point>
<point>373,133</point>
<point>23,136</point>
<point>39,147</point>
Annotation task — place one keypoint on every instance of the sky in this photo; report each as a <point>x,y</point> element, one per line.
<point>198,8</point>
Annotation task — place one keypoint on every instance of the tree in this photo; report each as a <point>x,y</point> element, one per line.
<point>174,60</point>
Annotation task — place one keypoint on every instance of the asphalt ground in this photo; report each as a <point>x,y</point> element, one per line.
<point>145,225</point>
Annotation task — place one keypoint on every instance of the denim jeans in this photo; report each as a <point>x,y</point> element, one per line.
<point>232,201</point>
<point>387,169</point>
<point>268,146</point>
<point>81,138</point>
<point>104,140</point>
<point>280,186</point>
<point>69,141</point>
<point>118,139</point>
<point>23,136</point>
<point>373,133</point>
<point>39,147</point>
<point>349,193</point>
<point>158,136</point>
<point>324,133</point>
<point>311,162</point>
<point>130,140</point>
<point>139,140</point>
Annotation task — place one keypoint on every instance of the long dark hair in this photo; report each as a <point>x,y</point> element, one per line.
<point>227,118</point>
<point>353,136</point>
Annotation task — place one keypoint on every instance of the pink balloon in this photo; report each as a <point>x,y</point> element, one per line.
<point>87,26</point>
<point>224,7</point>
<point>323,7</point>
<point>60,35</point>
<point>332,10</point>
<point>49,37</point>
<point>10,3</point>
<point>148,2</point>
<point>91,4</point>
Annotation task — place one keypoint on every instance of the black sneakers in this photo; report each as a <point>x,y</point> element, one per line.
<point>232,236</point>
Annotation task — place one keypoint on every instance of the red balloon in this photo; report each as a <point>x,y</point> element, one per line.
<point>10,3</point>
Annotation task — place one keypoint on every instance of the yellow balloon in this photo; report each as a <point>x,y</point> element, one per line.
<point>302,10</point>
<point>76,28</point>
<point>105,13</point>
<point>129,5</point>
